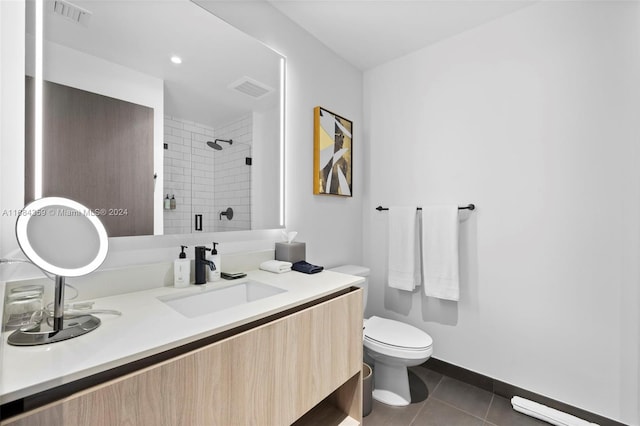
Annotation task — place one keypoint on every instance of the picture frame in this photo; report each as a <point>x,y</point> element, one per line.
<point>332,154</point>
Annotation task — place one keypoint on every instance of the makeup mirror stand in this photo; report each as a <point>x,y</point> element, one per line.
<point>58,304</point>
<point>64,221</point>
<point>55,329</point>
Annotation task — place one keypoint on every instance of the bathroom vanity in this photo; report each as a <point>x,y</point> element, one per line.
<point>294,356</point>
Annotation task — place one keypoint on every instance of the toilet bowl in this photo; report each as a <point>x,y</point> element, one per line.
<point>393,346</point>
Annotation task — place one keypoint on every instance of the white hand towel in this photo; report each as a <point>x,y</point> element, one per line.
<point>440,252</point>
<point>404,258</point>
<point>276,266</point>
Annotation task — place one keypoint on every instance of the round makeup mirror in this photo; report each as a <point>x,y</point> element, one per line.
<point>67,239</point>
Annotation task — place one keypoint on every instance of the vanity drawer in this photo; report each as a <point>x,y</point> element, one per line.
<point>268,375</point>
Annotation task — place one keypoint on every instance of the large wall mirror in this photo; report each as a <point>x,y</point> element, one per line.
<point>156,114</point>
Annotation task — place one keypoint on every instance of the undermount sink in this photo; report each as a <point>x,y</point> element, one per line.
<point>194,304</point>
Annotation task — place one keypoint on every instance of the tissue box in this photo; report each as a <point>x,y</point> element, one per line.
<point>291,252</point>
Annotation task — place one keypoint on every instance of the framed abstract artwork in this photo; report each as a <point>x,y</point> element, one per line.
<point>332,153</point>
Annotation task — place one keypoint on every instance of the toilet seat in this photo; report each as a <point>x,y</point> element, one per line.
<point>396,339</point>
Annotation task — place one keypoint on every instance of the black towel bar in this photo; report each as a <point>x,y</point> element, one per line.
<point>469,207</point>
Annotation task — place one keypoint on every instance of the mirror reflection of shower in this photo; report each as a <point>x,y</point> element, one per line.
<point>206,181</point>
<point>215,145</point>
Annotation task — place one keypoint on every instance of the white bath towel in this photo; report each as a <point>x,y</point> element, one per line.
<point>404,249</point>
<point>547,414</point>
<point>276,266</point>
<point>440,252</point>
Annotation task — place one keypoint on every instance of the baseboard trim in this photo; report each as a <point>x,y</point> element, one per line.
<point>508,391</point>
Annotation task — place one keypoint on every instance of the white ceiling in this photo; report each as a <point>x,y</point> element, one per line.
<point>367,33</point>
<point>142,35</point>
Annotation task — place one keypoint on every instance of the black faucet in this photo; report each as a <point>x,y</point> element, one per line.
<point>201,264</point>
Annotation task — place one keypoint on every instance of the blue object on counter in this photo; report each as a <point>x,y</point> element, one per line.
<point>306,267</point>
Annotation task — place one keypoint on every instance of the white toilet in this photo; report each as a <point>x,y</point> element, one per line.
<point>393,346</point>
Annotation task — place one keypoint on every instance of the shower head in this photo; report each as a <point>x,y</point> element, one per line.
<point>215,145</point>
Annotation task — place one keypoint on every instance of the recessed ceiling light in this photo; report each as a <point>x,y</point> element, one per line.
<point>176,59</point>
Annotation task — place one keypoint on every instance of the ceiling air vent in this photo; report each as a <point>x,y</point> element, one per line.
<point>251,87</point>
<point>70,11</point>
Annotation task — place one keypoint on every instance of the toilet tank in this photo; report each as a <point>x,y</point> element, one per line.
<point>359,271</point>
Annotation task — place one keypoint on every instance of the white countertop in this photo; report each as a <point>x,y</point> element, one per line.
<point>146,327</point>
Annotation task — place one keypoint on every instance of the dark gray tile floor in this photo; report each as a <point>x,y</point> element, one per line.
<point>449,403</point>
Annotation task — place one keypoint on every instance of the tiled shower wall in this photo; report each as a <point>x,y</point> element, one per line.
<point>188,164</point>
<point>177,175</point>
<point>205,181</point>
<point>232,176</point>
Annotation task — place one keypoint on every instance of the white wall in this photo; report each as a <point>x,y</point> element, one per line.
<point>86,72</point>
<point>534,118</point>
<point>331,226</point>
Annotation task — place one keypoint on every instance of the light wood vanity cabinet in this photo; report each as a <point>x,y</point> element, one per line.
<point>306,362</point>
